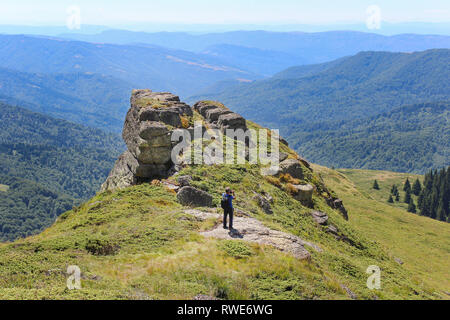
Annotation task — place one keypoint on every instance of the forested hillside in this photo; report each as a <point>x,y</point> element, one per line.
<point>48,165</point>
<point>434,199</point>
<point>27,208</point>
<point>314,105</point>
<point>90,99</point>
<point>407,139</point>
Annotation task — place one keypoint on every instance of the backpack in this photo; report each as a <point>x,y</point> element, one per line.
<point>224,203</point>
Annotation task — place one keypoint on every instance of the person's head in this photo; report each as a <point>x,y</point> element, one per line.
<point>227,190</point>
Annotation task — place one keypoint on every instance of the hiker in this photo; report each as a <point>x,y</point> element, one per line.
<point>227,205</point>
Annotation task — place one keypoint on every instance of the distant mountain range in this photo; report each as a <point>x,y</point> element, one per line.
<point>307,48</point>
<point>323,96</point>
<point>386,28</point>
<point>90,82</point>
<point>142,66</point>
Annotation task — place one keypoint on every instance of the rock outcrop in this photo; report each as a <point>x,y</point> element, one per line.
<point>304,194</point>
<point>252,230</point>
<point>220,117</point>
<point>320,217</point>
<point>263,203</point>
<point>338,205</point>
<point>190,196</point>
<point>147,133</point>
<point>292,167</point>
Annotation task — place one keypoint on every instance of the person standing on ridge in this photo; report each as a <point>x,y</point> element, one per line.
<point>227,206</point>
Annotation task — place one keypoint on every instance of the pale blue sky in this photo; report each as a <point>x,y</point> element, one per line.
<point>116,12</point>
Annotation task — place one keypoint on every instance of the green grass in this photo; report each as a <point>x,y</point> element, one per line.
<point>420,242</point>
<point>3,188</point>
<point>138,243</point>
<point>364,180</point>
<point>158,253</point>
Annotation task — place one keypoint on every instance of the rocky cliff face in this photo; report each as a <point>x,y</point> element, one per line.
<point>147,133</point>
<point>149,124</point>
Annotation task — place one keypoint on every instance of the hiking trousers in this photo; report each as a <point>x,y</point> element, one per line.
<point>228,212</point>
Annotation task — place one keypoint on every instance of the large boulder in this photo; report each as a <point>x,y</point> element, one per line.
<point>202,107</point>
<point>231,121</point>
<point>190,196</point>
<point>212,115</point>
<point>149,124</point>
<point>304,194</point>
<point>319,217</point>
<point>292,167</point>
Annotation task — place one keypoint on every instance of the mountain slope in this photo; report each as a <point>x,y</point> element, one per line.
<point>419,242</point>
<point>144,227</point>
<point>259,61</point>
<point>141,243</point>
<point>407,139</point>
<point>90,99</point>
<point>312,103</point>
<point>143,66</point>
<point>358,86</point>
<point>27,208</point>
<point>49,165</point>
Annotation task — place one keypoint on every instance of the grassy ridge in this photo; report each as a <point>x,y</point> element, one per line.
<point>420,242</point>
<point>138,243</point>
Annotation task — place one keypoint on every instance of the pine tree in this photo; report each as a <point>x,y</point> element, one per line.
<point>375,185</point>
<point>407,196</point>
<point>394,190</point>
<point>440,214</point>
<point>390,200</point>
<point>397,197</point>
<point>407,186</point>
<point>411,206</point>
<point>417,187</point>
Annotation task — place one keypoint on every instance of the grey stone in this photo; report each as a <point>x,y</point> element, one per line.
<point>339,205</point>
<point>231,121</point>
<point>333,230</point>
<point>212,115</point>
<point>292,167</point>
<point>184,180</point>
<point>319,217</point>
<point>203,106</point>
<point>349,292</point>
<point>204,297</point>
<point>252,230</point>
<point>190,196</point>
<point>170,117</point>
<point>304,194</point>
<point>123,173</point>
<point>149,123</point>
<point>151,129</point>
<point>263,203</point>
